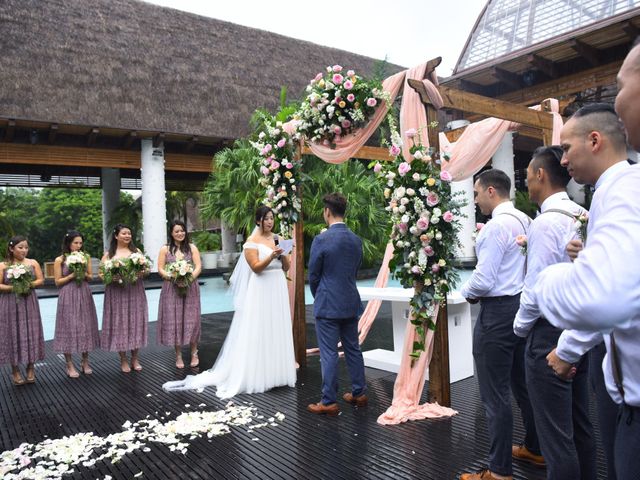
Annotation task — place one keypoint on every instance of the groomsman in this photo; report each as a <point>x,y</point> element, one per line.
<point>560,406</point>
<point>496,283</point>
<point>600,290</point>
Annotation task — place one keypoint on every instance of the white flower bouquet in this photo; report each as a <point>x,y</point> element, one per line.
<point>139,264</point>
<point>20,277</point>
<point>114,271</point>
<point>181,273</point>
<point>77,262</point>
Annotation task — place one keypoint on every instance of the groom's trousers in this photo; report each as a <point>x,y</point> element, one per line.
<point>499,358</point>
<point>330,331</point>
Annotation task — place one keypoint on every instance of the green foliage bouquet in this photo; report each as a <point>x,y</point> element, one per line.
<point>115,270</point>
<point>425,218</point>
<point>337,104</point>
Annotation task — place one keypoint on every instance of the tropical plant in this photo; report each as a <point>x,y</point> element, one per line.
<point>524,204</point>
<point>233,190</point>
<point>366,215</point>
<point>128,212</point>
<point>177,202</point>
<point>206,241</point>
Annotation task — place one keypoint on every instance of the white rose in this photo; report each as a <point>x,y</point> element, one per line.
<point>417,155</point>
<point>438,236</point>
<point>405,219</point>
<point>402,209</point>
<point>437,212</point>
<point>404,200</point>
<point>411,192</point>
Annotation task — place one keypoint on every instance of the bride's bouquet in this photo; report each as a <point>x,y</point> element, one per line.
<point>181,272</point>
<point>20,278</point>
<point>139,264</point>
<point>76,262</point>
<point>114,270</point>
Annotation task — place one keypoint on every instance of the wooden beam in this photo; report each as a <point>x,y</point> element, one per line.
<point>489,107</point>
<point>53,132</point>
<point>368,153</point>
<point>588,52</point>
<point>432,65</point>
<point>93,134</point>
<point>546,66</point>
<point>631,30</point>
<point>472,87</point>
<point>299,307</point>
<point>129,139</point>
<point>158,139</point>
<point>507,77</point>
<point>192,143</point>
<point>10,131</point>
<point>569,85</point>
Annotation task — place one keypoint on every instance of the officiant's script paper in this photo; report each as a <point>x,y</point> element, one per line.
<point>286,246</point>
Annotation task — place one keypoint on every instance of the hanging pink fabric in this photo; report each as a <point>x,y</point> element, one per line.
<point>371,310</point>
<point>554,104</point>
<point>409,384</point>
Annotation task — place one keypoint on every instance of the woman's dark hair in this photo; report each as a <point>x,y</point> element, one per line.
<point>113,245</point>
<point>13,241</point>
<point>68,240</point>
<point>185,247</point>
<point>262,212</point>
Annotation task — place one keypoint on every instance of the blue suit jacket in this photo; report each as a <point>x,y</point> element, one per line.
<point>335,258</point>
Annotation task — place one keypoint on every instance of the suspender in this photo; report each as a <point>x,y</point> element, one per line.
<point>615,367</point>
<point>524,229</point>
<point>557,210</point>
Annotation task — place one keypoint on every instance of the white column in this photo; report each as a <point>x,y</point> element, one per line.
<point>467,252</point>
<point>503,160</point>
<point>110,178</point>
<point>228,238</point>
<point>154,205</point>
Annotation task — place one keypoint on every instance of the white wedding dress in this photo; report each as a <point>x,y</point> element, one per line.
<point>257,354</point>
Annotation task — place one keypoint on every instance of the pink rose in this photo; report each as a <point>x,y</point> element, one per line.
<point>291,126</point>
<point>416,270</point>
<point>432,199</point>
<point>337,130</point>
<point>336,68</point>
<point>348,85</point>
<point>416,177</point>
<point>351,97</point>
<point>422,223</point>
<point>447,216</point>
<point>479,226</point>
<point>350,73</point>
<point>274,165</point>
<point>264,170</point>
<point>521,240</point>
<point>403,168</point>
<point>411,133</point>
<point>372,102</point>
<point>403,228</point>
<point>394,151</point>
<point>318,77</point>
<point>346,123</point>
<point>337,78</point>
<point>377,167</point>
<point>429,250</point>
<point>281,143</point>
<point>289,165</point>
<point>445,176</point>
<point>435,268</point>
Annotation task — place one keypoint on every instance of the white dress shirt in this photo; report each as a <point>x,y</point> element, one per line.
<point>547,242</point>
<point>500,267</point>
<point>600,290</point>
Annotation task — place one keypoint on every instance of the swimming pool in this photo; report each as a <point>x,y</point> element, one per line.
<point>214,298</point>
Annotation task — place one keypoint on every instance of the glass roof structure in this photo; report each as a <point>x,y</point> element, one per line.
<point>505,26</point>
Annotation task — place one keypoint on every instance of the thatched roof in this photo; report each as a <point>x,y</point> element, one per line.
<point>132,65</point>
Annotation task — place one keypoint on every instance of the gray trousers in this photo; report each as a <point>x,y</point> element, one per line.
<point>499,358</point>
<point>560,408</point>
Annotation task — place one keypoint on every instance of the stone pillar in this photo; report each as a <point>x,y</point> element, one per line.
<point>229,239</point>
<point>154,204</point>
<point>466,253</point>
<point>110,179</point>
<point>503,160</point>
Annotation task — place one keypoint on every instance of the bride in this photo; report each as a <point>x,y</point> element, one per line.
<point>257,354</point>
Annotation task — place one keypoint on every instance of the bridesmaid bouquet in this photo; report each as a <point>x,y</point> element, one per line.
<point>181,272</point>
<point>114,271</point>
<point>20,278</point>
<point>139,264</point>
<point>76,262</point>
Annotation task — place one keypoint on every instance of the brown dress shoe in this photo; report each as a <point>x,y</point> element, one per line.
<point>520,452</point>
<point>321,409</point>
<point>483,475</point>
<point>360,400</point>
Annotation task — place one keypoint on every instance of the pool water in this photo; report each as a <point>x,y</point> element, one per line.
<point>214,298</point>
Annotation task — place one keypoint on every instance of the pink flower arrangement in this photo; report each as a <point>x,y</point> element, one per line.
<point>350,73</point>
<point>416,270</point>
<point>337,79</point>
<point>403,228</point>
<point>372,102</point>
<point>346,124</point>
<point>394,151</point>
<point>348,85</point>
<point>429,250</point>
<point>351,97</point>
<point>445,176</point>
<point>337,130</point>
<point>289,165</point>
<point>275,165</point>
<point>422,223</point>
<point>404,167</point>
<point>264,170</point>
<point>432,199</point>
<point>447,216</point>
<point>336,68</point>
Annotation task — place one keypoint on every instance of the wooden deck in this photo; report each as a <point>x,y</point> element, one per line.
<point>302,446</point>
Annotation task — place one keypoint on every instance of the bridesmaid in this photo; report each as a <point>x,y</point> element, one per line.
<point>76,319</point>
<point>21,336</point>
<point>179,316</point>
<point>125,315</point>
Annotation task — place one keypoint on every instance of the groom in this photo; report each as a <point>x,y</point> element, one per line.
<point>335,257</point>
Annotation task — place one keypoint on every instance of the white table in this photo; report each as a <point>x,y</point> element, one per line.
<point>460,335</point>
